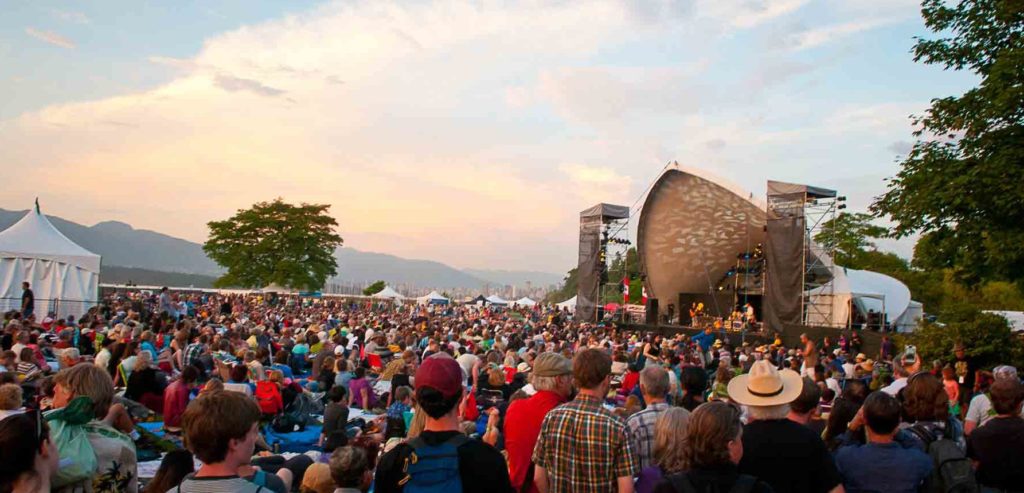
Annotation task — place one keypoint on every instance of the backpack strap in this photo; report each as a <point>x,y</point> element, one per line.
<point>681,483</point>
<point>744,484</point>
<point>921,432</point>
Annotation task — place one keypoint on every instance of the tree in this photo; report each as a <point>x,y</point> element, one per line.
<point>275,242</point>
<point>374,288</point>
<point>850,235</point>
<point>960,183</point>
<point>569,286</point>
<point>986,337</point>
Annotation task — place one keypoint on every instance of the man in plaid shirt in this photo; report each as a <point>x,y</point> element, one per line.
<point>583,447</point>
<point>654,385</point>
<point>193,352</point>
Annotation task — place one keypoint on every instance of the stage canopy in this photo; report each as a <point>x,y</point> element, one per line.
<point>1016,319</point>
<point>525,301</point>
<point>434,298</point>
<point>389,293</point>
<point>64,277</point>
<point>866,291</point>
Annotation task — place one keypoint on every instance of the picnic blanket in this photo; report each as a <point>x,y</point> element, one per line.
<point>295,441</point>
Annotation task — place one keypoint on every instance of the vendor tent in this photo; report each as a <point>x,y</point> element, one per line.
<point>1016,319</point>
<point>434,298</point>
<point>479,300</point>
<point>569,304</point>
<point>525,301</point>
<point>389,293</point>
<point>496,300</point>
<point>859,291</point>
<point>64,277</point>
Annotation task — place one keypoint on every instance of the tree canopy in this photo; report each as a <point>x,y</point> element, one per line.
<point>275,242</point>
<point>850,236</point>
<point>374,288</point>
<point>960,183</point>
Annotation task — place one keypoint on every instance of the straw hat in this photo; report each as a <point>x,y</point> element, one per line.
<point>765,386</point>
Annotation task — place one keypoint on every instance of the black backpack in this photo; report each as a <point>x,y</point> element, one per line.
<point>953,472</point>
<point>681,484</point>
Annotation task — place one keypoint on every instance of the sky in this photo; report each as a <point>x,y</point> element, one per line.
<point>470,133</point>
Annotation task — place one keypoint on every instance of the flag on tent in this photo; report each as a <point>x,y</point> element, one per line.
<point>643,295</point>
<point>625,290</point>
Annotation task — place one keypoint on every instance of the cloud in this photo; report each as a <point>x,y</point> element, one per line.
<point>470,133</point>
<point>812,38</point>
<point>233,84</point>
<point>50,37</point>
<point>71,16</point>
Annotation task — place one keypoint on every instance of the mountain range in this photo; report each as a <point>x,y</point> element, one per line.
<point>146,254</point>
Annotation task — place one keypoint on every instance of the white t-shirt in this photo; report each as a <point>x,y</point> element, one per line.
<point>980,410</point>
<point>834,385</point>
<point>467,361</point>
<point>849,368</point>
<point>895,387</point>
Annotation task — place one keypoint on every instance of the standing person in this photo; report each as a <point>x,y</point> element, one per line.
<point>882,464</point>
<point>669,449</point>
<point>584,447</point>
<point>441,456</point>
<point>166,304</point>
<point>704,341</point>
<point>714,447</point>
<point>810,356</point>
<point>654,387</point>
<point>28,301</point>
<point>965,368</point>
<point>221,429</point>
<point>788,456</point>
<point>980,411</point>
<point>997,447</point>
<point>552,378</point>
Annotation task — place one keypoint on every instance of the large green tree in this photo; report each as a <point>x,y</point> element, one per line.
<point>849,235</point>
<point>275,242</point>
<point>960,185</point>
<point>374,288</point>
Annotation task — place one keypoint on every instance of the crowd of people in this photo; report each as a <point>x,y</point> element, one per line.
<point>480,398</point>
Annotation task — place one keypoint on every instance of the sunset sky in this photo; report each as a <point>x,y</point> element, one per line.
<point>468,133</point>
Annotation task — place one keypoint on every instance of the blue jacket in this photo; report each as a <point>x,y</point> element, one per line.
<point>704,340</point>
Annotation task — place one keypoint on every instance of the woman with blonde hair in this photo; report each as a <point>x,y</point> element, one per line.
<point>713,448</point>
<point>669,447</point>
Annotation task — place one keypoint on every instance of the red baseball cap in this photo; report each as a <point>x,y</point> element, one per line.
<point>441,374</point>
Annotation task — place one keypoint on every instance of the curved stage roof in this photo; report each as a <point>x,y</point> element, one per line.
<point>692,227</point>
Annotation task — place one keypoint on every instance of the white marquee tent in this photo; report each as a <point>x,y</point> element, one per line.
<point>864,291</point>
<point>525,301</point>
<point>569,303</point>
<point>434,298</point>
<point>64,277</point>
<point>389,293</point>
<point>496,300</point>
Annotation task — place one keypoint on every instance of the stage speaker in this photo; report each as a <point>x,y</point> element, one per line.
<point>652,311</point>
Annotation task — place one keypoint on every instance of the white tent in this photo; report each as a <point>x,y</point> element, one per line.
<point>525,301</point>
<point>496,300</point>
<point>569,303</point>
<point>389,293</point>
<point>276,288</point>
<point>1016,319</point>
<point>434,298</point>
<point>864,291</point>
<point>64,277</point>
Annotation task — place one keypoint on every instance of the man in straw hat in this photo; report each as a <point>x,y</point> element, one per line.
<point>786,455</point>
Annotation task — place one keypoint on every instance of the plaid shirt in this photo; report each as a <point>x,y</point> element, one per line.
<point>192,354</point>
<point>584,448</point>
<point>641,432</point>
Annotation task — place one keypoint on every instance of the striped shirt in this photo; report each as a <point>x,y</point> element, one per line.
<point>584,448</point>
<point>641,432</point>
<point>211,484</point>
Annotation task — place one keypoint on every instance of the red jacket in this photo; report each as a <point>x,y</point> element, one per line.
<point>522,427</point>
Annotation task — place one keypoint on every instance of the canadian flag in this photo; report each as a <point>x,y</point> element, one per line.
<point>643,295</point>
<point>625,290</point>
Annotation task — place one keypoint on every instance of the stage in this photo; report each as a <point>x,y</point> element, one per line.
<point>790,335</point>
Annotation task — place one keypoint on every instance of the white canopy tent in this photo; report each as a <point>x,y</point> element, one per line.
<point>496,300</point>
<point>64,277</point>
<point>569,304</point>
<point>864,291</point>
<point>1016,319</point>
<point>434,298</point>
<point>525,301</point>
<point>389,293</point>
<point>276,288</point>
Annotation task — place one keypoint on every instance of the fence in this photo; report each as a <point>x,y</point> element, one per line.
<point>43,307</point>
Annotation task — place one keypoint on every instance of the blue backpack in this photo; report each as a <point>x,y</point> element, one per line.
<point>434,468</point>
